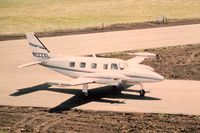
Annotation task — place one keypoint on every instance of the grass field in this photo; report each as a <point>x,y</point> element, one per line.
<point>18,16</point>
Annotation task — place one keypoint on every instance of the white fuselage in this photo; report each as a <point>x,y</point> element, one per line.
<point>104,70</point>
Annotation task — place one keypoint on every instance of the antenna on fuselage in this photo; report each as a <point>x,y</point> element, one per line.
<point>94,55</point>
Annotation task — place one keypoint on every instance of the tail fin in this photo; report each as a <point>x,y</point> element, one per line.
<point>39,51</point>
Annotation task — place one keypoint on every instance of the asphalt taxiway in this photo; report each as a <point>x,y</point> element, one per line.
<point>24,87</point>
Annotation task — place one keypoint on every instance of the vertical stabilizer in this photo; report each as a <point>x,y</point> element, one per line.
<point>39,51</point>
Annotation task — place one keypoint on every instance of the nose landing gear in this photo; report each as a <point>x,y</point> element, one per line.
<point>142,91</point>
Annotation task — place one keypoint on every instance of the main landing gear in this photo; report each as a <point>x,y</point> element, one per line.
<point>85,90</point>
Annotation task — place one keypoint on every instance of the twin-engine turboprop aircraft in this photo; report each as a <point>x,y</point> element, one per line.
<point>87,70</point>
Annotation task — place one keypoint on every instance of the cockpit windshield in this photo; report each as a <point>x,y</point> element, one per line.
<point>122,65</point>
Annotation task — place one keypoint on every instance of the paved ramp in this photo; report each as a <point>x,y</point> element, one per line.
<point>169,96</point>
<point>115,41</point>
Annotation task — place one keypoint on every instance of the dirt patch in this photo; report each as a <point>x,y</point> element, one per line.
<point>27,119</point>
<point>174,62</point>
<point>114,27</point>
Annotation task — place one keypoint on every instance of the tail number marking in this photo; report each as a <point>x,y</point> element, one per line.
<point>41,55</point>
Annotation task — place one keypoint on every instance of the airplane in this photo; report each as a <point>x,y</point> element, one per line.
<point>88,70</point>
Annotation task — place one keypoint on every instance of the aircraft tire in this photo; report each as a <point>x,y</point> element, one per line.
<point>86,94</point>
<point>142,92</point>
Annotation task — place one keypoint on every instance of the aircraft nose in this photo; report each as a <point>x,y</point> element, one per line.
<point>158,77</point>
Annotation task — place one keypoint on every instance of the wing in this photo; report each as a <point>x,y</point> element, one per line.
<point>139,57</point>
<point>78,81</point>
<point>136,60</point>
<point>101,78</point>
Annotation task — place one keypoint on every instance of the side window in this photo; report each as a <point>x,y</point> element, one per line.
<point>93,65</point>
<point>82,65</point>
<point>105,66</point>
<point>71,64</point>
<point>114,66</point>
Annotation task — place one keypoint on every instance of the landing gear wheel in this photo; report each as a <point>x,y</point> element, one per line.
<point>86,94</point>
<point>142,92</point>
<point>85,90</point>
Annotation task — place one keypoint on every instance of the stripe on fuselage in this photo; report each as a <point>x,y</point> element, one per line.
<point>68,69</point>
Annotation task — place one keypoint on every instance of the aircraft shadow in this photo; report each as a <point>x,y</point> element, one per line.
<point>43,87</point>
<point>96,94</point>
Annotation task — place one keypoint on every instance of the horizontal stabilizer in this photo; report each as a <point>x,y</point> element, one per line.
<point>30,64</point>
<point>144,54</point>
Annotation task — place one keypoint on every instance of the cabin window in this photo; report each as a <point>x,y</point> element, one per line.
<point>93,65</point>
<point>82,65</point>
<point>105,66</point>
<point>71,64</point>
<point>114,66</point>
